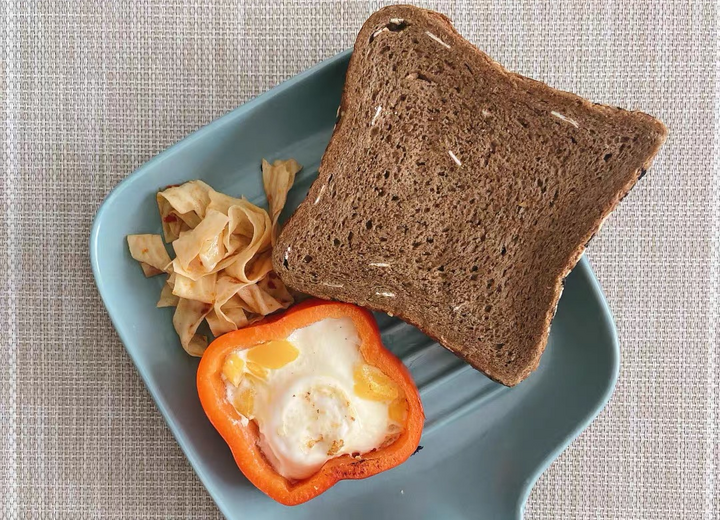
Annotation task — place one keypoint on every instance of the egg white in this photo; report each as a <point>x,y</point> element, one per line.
<point>307,412</point>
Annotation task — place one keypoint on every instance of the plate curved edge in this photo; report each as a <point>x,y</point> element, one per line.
<point>585,269</point>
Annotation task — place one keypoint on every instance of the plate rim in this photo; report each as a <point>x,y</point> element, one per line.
<point>583,266</point>
<point>123,185</point>
<point>607,321</point>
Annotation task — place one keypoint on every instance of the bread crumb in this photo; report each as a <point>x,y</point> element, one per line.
<point>454,158</point>
<point>338,285</point>
<point>378,264</point>
<point>377,114</point>
<point>458,307</point>
<point>387,294</point>
<point>437,39</point>
<point>486,113</point>
<point>311,443</point>
<point>397,21</point>
<point>335,447</point>
<point>602,222</point>
<point>322,190</point>
<point>565,118</point>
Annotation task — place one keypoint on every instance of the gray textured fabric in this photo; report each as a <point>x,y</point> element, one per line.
<point>92,90</point>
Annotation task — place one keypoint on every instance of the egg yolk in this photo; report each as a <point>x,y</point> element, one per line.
<point>244,400</point>
<point>273,354</point>
<point>398,410</point>
<point>258,371</point>
<point>372,384</point>
<point>233,368</point>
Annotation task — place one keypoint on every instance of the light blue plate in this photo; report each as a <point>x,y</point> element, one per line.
<point>484,445</point>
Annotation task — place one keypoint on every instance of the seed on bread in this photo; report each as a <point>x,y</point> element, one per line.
<point>431,35</point>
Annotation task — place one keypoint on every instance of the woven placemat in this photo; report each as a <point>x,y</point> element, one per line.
<point>92,90</point>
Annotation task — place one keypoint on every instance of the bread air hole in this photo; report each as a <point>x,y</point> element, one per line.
<point>554,198</point>
<point>420,77</point>
<point>397,24</point>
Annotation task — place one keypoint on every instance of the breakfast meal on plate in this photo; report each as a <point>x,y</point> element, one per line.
<point>308,398</point>
<point>457,195</point>
<point>453,194</point>
<point>222,272</point>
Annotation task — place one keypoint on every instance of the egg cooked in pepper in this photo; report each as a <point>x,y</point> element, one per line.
<point>310,398</point>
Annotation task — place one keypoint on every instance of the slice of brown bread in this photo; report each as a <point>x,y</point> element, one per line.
<point>457,195</point>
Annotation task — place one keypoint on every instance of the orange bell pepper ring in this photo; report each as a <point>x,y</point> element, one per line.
<point>243,437</point>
